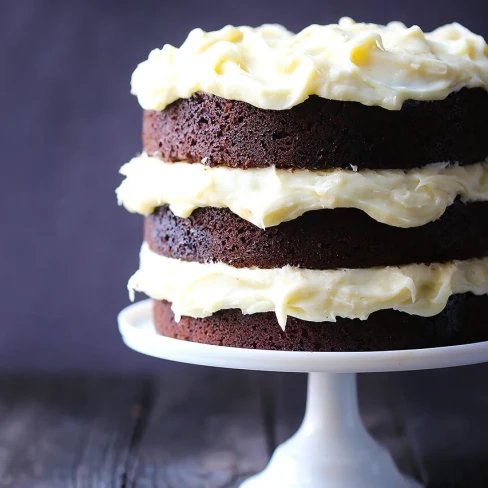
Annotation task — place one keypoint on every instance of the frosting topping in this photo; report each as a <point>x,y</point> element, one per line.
<point>269,196</point>
<point>272,68</point>
<point>200,289</point>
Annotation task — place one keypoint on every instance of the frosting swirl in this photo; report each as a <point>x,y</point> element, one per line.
<point>272,68</point>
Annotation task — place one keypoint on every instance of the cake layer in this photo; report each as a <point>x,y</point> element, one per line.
<point>200,289</point>
<point>272,68</point>
<point>270,196</point>
<point>325,239</point>
<point>462,321</point>
<point>321,133</point>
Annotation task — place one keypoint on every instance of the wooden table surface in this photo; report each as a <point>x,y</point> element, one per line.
<point>202,427</point>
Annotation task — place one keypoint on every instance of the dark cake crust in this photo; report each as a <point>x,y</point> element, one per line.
<point>323,239</point>
<point>321,133</point>
<point>462,321</point>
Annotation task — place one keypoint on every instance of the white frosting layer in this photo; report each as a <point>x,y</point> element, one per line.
<point>198,290</point>
<point>272,68</point>
<point>269,196</point>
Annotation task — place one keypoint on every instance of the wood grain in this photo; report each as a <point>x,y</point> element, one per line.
<point>202,427</point>
<point>205,429</point>
<point>67,433</point>
<point>444,417</point>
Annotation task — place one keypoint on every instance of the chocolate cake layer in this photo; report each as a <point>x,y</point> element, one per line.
<point>321,133</point>
<point>323,239</point>
<point>462,321</point>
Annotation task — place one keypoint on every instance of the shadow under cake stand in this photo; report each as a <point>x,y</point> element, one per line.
<point>331,449</point>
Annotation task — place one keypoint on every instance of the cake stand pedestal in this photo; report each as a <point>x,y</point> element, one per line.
<point>331,449</point>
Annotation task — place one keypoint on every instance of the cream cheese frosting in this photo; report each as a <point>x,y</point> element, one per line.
<point>269,196</point>
<point>272,68</point>
<point>200,289</point>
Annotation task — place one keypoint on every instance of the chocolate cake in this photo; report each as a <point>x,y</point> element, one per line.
<point>325,192</point>
<point>320,133</point>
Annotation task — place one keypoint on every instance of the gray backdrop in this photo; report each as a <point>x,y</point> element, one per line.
<point>68,122</point>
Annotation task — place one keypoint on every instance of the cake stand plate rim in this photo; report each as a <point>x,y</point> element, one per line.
<point>138,333</point>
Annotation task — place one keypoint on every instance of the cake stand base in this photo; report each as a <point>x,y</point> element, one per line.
<point>331,449</point>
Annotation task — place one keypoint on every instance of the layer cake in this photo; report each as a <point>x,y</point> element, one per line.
<point>320,191</point>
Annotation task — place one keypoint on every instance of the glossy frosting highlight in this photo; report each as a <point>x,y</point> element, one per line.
<point>272,68</point>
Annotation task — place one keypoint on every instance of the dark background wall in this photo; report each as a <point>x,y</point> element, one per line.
<point>68,123</point>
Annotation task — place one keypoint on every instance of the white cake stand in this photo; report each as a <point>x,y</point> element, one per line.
<point>331,449</point>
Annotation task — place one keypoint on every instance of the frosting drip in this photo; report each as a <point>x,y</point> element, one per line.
<point>200,289</point>
<point>272,68</point>
<point>269,196</point>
